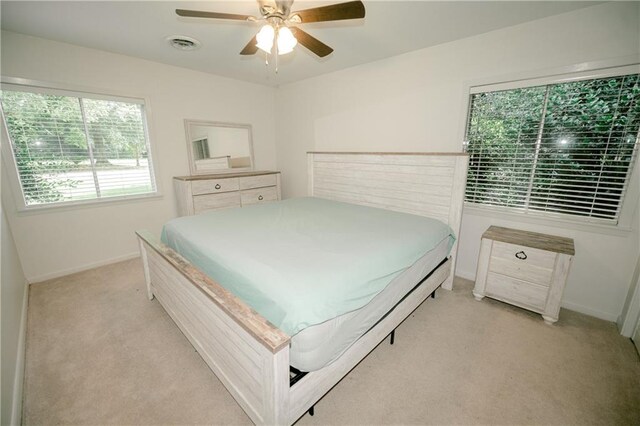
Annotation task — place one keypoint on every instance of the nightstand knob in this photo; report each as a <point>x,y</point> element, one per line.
<point>260,197</point>
<point>521,255</point>
<point>217,186</point>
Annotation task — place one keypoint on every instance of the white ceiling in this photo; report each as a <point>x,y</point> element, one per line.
<point>139,28</point>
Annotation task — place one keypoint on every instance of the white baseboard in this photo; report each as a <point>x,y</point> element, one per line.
<point>630,315</point>
<point>18,379</point>
<point>69,271</point>
<point>471,276</point>
<point>589,311</point>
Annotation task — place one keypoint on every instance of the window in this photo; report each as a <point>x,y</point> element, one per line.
<point>201,149</point>
<point>75,148</point>
<point>565,148</point>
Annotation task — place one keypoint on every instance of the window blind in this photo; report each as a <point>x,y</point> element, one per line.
<point>565,148</point>
<point>74,149</point>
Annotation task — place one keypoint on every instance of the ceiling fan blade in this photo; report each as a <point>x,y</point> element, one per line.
<point>333,12</point>
<point>214,15</point>
<point>250,48</point>
<point>311,43</point>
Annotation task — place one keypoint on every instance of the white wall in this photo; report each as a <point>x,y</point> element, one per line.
<point>414,102</point>
<point>630,316</point>
<point>13,310</point>
<point>61,241</point>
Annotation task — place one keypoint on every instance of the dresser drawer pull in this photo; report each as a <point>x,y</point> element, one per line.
<point>521,255</point>
<point>260,197</point>
<point>217,186</point>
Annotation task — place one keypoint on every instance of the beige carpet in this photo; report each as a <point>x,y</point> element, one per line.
<point>98,352</point>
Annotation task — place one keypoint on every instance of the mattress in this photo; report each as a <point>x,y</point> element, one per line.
<point>319,345</point>
<point>303,261</point>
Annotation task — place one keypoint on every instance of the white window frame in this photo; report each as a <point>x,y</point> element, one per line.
<point>34,86</point>
<point>584,71</point>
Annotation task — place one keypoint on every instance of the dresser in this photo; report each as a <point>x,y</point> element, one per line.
<point>197,194</point>
<point>525,269</point>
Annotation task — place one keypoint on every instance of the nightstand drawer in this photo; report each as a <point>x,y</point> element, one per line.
<point>259,195</point>
<point>518,292</point>
<point>213,186</point>
<point>524,263</point>
<point>532,256</point>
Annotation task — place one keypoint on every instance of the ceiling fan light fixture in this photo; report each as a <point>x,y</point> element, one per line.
<point>265,38</point>
<point>286,41</point>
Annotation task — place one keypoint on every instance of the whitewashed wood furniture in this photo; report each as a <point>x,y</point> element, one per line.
<point>216,147</point>
<point>526,269</point>
<point>213,164</point>
<point>249,355</point>
<point>197,194</point>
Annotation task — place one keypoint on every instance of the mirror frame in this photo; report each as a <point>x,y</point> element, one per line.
<point>192,167</point>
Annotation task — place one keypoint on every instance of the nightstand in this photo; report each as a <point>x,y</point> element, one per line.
<point>525,269</point>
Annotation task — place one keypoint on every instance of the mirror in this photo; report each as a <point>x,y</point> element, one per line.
<point>218,147</point>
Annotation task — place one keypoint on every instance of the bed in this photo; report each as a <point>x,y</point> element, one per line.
<point>252,356</point>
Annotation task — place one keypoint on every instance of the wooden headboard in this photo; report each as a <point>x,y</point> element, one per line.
<point>425,184</point>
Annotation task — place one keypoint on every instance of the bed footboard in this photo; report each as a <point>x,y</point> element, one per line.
<point>248,354</point>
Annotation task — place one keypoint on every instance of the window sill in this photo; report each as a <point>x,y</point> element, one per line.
<point>551,221</point>
<point>74,205</point>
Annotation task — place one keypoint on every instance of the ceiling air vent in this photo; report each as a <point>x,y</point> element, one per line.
<point>183,42</point>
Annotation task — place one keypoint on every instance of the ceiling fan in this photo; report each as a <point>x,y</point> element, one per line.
<point>280,24</point>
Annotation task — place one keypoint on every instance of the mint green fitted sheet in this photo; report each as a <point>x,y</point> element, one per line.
<point>302,261</point>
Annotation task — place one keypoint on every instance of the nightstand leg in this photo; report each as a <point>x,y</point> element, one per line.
<point>549,320</point>
<point>483,268</point>
<point>478,296</point>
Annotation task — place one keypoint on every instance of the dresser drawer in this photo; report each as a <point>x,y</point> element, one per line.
<point>258,195</point>
<point>226,200</point>
<point>213,186</point>
<point>518,292</point>
<point>524,263</point>
<point>261,181</point>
